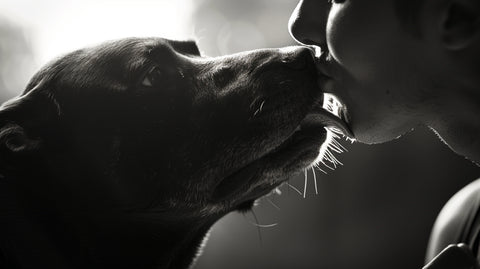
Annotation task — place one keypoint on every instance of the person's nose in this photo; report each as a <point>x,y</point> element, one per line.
<point>308,22</point>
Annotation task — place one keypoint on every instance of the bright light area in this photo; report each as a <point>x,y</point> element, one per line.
<point>56,26</point>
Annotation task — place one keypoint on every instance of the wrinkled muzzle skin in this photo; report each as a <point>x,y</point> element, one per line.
<point>123,155</point>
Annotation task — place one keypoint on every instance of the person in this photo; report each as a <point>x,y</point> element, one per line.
<point>399,64</point>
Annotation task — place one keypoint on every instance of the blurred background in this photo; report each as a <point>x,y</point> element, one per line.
<point>375,211</point>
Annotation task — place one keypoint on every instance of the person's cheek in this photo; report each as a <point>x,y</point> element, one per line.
<point>349,40</point>
<point>336,35</point>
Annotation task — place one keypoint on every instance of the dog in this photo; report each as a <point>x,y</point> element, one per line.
<point>123,155</point>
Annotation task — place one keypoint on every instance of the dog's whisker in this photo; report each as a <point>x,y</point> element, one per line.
<point>272,203</point>
<point>332,158</point>
<point>318,168</point>
<point>339,145</point>
<point>328,157</point>
<point>315,181</point>
<point>259,109</point>
<point>334,147</point>
<point>339,134</point>
<point>257,224</point>
<point>264,225</point>
<point>294,188</point>
<point>254,102</point>
<point>261,105</point>
<point>326,165</point>
<point>305,184</point>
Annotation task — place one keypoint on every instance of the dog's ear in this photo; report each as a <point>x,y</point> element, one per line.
<point>186,47</point>
<point>22,120</point>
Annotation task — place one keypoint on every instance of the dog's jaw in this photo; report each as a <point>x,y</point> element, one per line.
<point>258,178</point>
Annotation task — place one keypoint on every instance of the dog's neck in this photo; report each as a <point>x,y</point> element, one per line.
<point>73,239</point>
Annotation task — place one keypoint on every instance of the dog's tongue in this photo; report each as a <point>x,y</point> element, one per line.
<point>321,116</point>
<point>332,113</point>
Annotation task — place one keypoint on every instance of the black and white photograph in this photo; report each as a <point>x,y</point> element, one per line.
<point>234,134</point>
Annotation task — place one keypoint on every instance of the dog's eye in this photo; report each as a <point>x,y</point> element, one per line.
<point>153,77</point>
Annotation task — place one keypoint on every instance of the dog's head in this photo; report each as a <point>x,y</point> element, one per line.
<point>147,133</point>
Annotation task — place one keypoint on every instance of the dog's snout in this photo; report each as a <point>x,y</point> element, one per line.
<point>298,57</point>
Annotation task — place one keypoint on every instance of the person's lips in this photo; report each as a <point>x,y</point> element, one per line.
<point>323,62</point>
<point>332,103</point>
<point>325,75</point>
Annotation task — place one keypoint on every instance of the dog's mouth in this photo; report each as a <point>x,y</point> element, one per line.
<point>298,151</point>
<point>334,114</point>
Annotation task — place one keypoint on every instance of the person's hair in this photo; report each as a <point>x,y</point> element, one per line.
<point>408,12</point>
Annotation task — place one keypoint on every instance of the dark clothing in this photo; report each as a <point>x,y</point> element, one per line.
<point>458,222</point>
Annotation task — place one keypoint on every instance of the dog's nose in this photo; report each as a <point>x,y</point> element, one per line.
<point>297,57</point>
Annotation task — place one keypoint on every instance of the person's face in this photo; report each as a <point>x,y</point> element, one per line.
<point>372,63</point>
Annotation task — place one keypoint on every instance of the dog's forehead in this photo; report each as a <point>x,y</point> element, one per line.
<point>134,48</point>
<point>111,63</point>
<point>115,63</point>
<point>128,53</point>
<point>124,55</point>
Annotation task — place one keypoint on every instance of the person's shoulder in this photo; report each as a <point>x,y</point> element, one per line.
<point>458,221</point>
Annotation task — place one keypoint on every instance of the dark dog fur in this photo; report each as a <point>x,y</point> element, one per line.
<point>125,154</point>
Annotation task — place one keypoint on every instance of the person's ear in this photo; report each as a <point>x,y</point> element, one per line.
<point>460,23</point>
<point>23,119</point>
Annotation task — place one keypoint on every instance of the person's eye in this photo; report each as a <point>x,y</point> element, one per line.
<point>153,77</point>
<point>335,1</point>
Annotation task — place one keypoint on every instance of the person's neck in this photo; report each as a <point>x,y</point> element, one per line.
<point>457,120</point>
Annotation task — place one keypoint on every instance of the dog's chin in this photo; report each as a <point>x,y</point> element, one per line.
<point>298,151</point>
